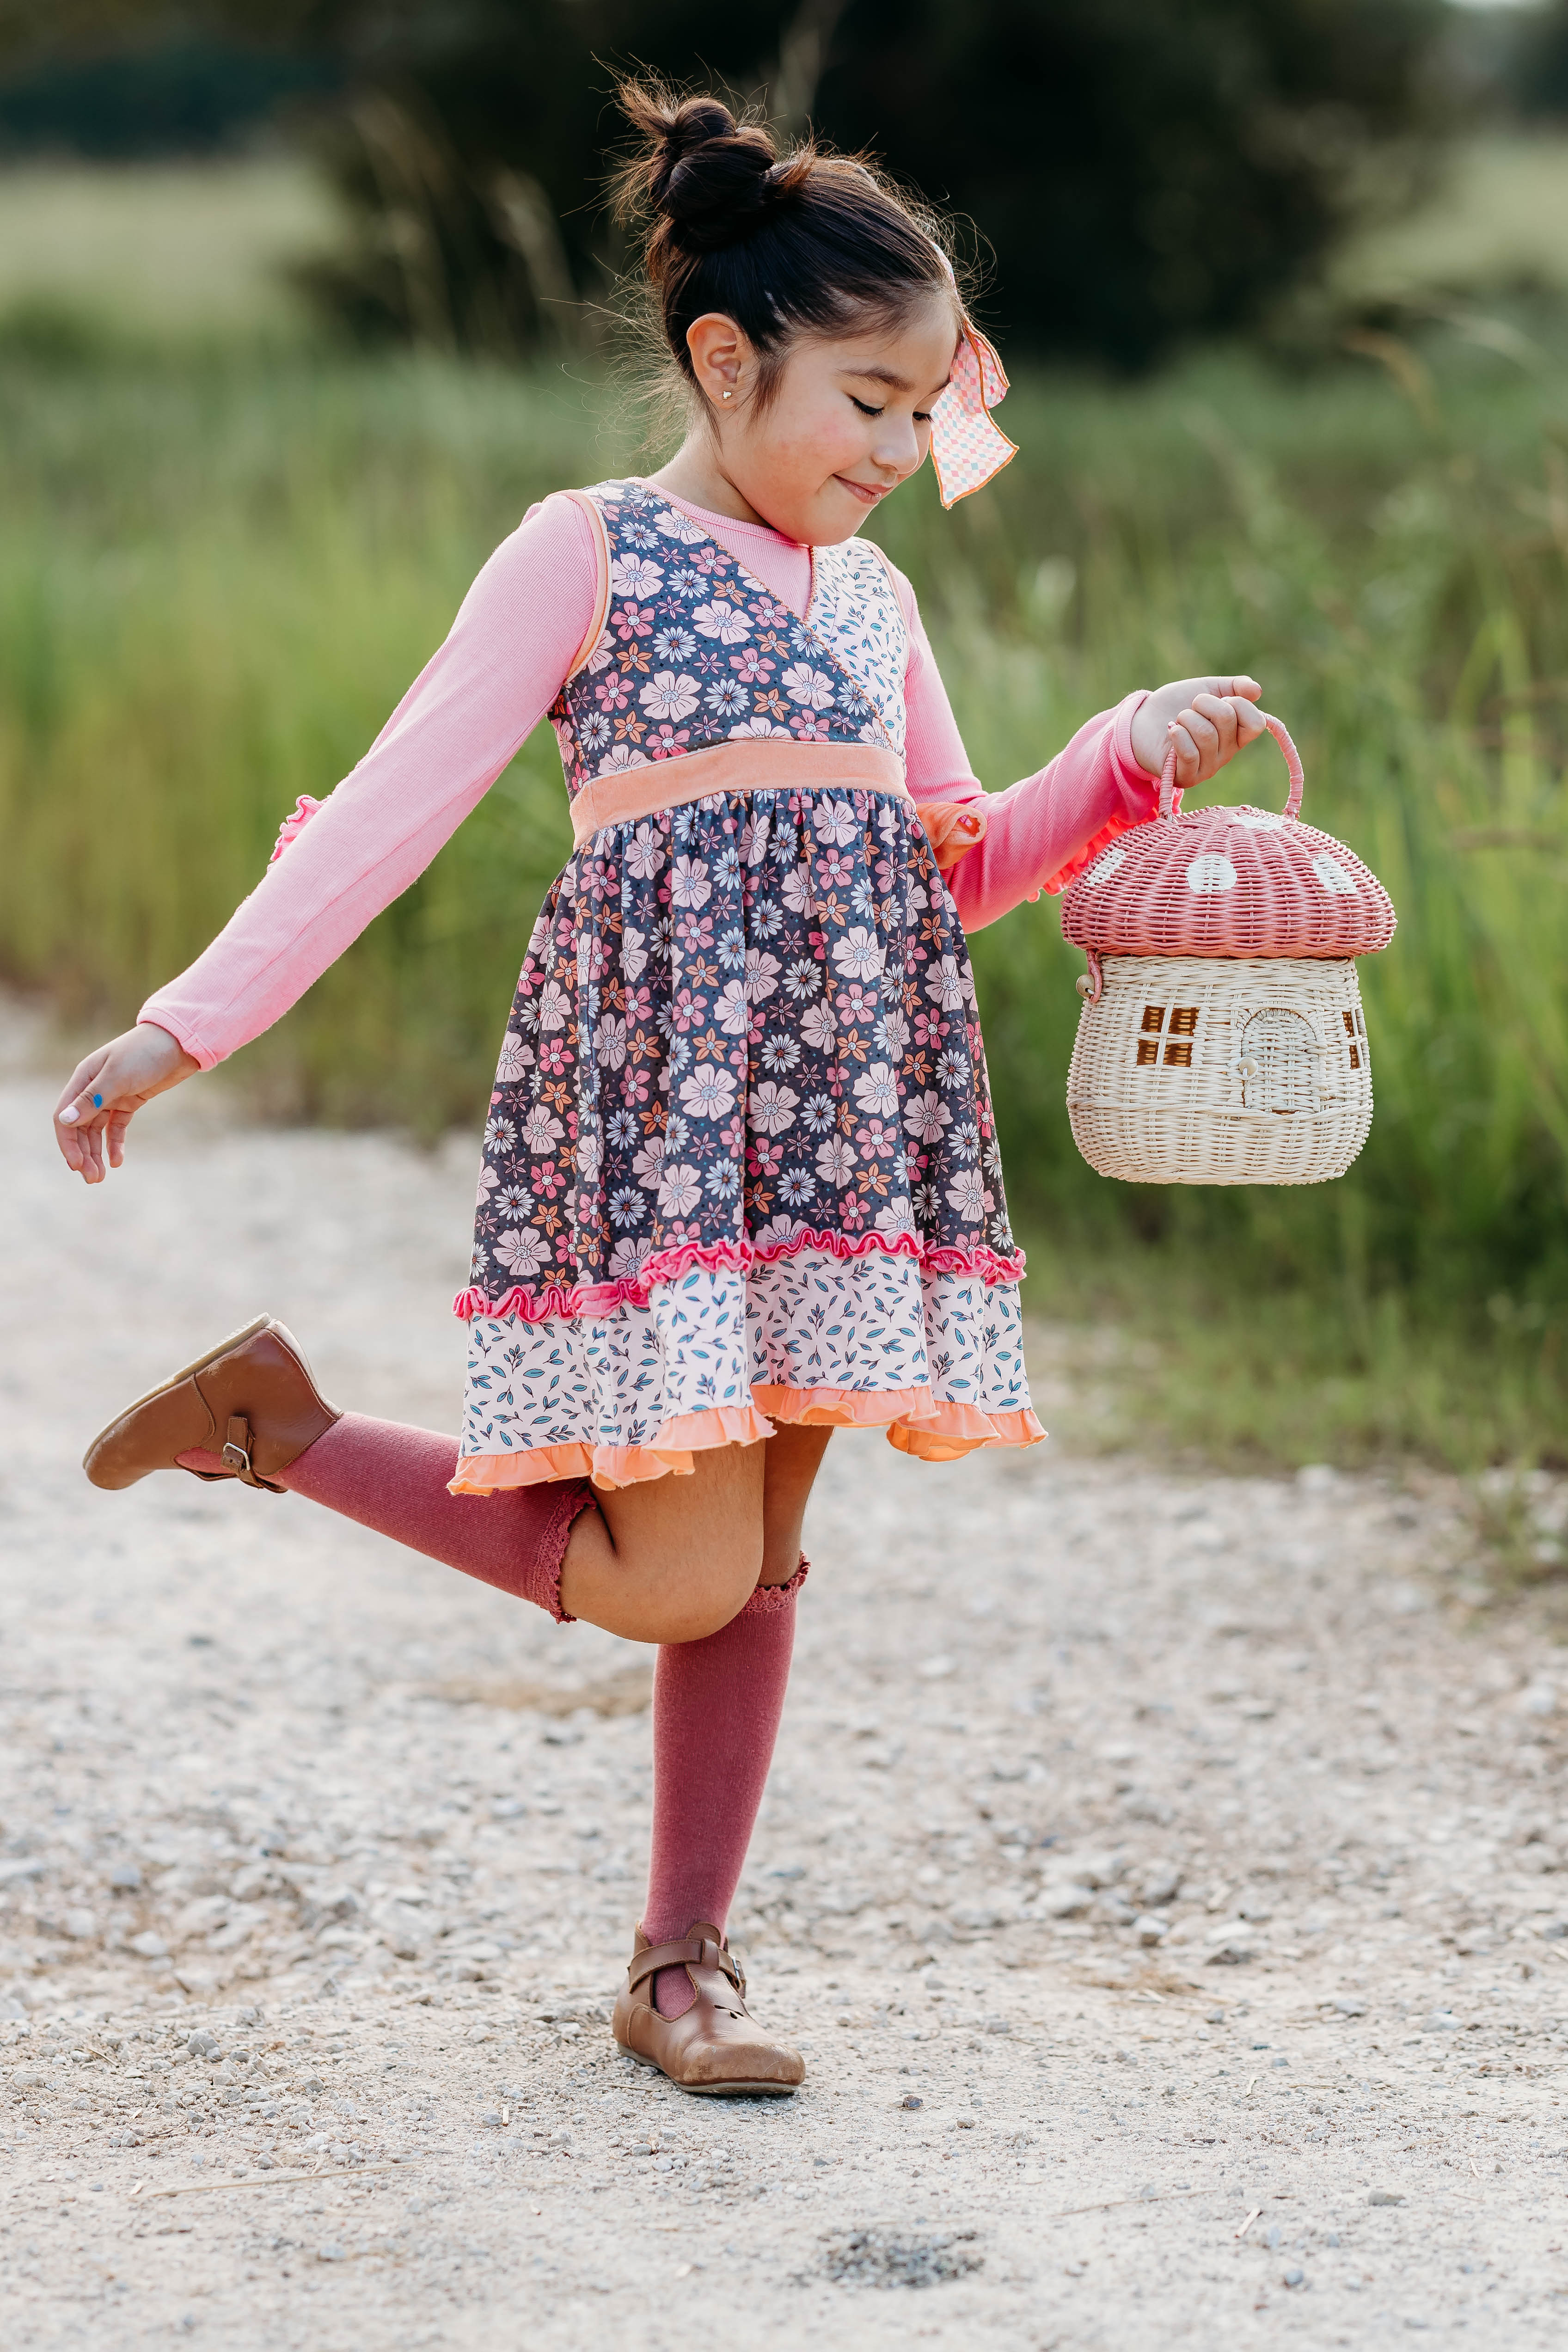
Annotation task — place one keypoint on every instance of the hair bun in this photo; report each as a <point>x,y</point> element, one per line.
<point>711,179</point>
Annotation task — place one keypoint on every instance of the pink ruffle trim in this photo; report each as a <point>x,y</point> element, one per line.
<point>294,824</point>
<point>915,1423</point>
<point>595,1298</point>
<point>1121,822</point>
<point>614,1465</point>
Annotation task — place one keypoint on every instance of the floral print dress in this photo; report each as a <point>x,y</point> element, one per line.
<point>741,1165</point>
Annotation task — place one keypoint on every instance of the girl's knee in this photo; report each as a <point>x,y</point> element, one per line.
<point>705,1591</point>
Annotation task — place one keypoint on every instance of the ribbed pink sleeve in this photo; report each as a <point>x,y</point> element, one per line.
<point>478,699</point>
<point>466,714</point>
<point>1041,832</point>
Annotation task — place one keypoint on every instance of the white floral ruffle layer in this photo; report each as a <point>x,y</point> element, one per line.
<point>935,1358</point>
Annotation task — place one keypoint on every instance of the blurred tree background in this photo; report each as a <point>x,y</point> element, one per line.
<point>1142,171</point>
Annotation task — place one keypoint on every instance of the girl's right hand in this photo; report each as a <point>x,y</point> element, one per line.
<point>107,1089</point>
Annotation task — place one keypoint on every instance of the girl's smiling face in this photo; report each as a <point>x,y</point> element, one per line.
<point>849,421</point>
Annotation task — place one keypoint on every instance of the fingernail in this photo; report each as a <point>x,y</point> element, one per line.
<point>97,1102</point>
<point>68,1116</point>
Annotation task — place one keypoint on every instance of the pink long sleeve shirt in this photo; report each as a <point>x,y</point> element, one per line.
<point>481,696</point>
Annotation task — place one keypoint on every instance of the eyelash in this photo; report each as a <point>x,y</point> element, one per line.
<point>923,416</point>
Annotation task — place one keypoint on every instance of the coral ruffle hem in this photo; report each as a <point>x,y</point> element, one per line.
<point>915,1423</point>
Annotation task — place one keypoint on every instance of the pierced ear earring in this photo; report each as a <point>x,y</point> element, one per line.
<point>727,395</point>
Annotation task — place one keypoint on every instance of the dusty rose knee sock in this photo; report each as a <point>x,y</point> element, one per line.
<point>394,1478</point>
<point>716,1709</point>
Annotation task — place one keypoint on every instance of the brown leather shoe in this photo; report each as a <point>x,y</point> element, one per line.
<point>250,1399</point>
<point>714,2048</point>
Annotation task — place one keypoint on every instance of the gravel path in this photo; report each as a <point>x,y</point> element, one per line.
<point>1163,1875</point>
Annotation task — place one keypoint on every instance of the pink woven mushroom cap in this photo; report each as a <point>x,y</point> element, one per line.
<point>1228,882</point>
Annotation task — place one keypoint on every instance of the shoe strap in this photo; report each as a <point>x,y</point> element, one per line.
<point>237,1454</point>
<point>692,1952</point>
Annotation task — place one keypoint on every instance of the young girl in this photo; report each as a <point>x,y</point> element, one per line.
<point>740,1183</point>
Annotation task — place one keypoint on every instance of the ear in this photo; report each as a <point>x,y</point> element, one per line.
<point>724,360</point>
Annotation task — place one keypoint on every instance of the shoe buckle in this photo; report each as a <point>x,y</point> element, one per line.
<point>236,1453</point>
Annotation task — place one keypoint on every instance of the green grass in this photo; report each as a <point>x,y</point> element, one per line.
<point>174,253</point>
<point>218,575</point>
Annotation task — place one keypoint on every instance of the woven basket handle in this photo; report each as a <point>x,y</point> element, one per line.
<point>1171,792</point>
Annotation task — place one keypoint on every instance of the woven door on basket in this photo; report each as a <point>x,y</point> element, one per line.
<point>1222,1039</point>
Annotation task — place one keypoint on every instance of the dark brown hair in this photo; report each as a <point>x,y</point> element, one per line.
<point>806,243</point>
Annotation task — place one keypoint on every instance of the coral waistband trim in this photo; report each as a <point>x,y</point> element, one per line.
<point>758,763</point>
<point>665,1267</point>
<point>916,1423</point>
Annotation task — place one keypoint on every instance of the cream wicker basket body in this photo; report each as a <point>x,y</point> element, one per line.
<point>1222,1039</point>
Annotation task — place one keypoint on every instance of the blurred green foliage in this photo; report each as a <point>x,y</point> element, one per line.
<point>1143,170</point>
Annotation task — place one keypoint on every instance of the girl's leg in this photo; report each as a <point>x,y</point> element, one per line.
<point>674,1558</point>
<point>716,1709</point>
<point>671,1560</point>
<point>394,1478</point>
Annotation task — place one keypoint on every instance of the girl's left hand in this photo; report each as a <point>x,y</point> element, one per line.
<point>1207,719</point>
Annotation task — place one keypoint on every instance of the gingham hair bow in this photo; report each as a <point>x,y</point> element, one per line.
<point>966,447</point>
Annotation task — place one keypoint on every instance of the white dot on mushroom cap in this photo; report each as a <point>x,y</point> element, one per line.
<point>1211,872</point>
<point>1104,868</point>
<point>1257,820</point>
<point>1332,876</point>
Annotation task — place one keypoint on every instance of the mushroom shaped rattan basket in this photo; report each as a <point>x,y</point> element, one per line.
<point>1222,1039</point>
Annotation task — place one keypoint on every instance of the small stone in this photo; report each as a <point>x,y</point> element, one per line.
<point>1098,1869</point>
<point>1063,1901</point>
<point>910,2101</point>
<point>936,1670</point>
<point>1160,1884</point>
<point>148,1946</point>
<point>1347,2005</point>
<point>1387,2197</point>
<point>329,2252</point>
<point>1295,2277</point>
<point>80,1924</point>
<point>1442,2021</point>
<point>1555,1930</point>
<point>125,1878</point>
<point>1230,1953</point>
<point>1149,1929</point>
